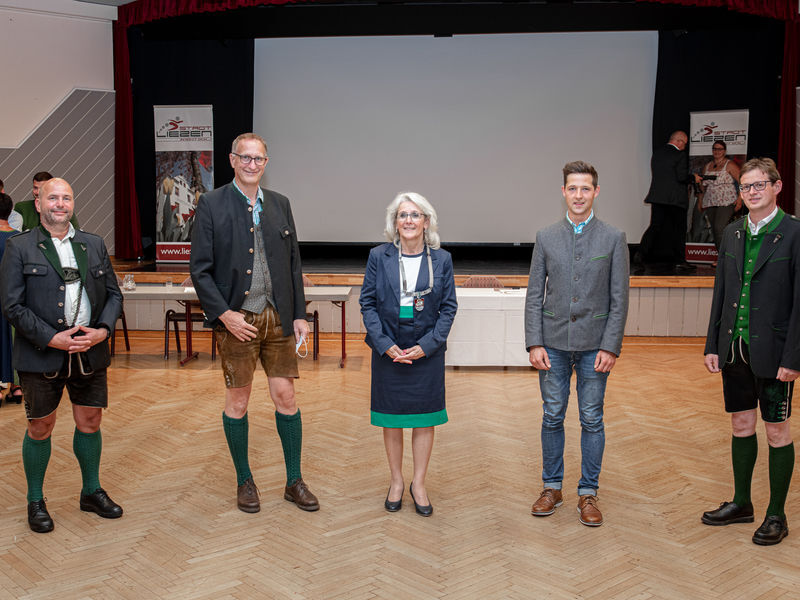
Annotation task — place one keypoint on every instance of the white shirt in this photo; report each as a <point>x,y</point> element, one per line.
<point>67,257</point>
<point>756,227</point>
<point>411,266</point>
<point>15,220</point>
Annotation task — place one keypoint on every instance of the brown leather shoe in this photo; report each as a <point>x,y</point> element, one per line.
<point>547,503</point>
<point>299,493</point>
<point>589,513</point>
<point>247,497</point>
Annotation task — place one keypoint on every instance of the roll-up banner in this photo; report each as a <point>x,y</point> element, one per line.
<point>184,138</point>
<point>708,127</point>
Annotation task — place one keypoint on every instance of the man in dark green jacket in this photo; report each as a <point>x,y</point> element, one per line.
<point>753,336</point>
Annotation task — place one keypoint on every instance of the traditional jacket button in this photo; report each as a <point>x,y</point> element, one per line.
<point>249,272</point>
<point>34,270</point>
<point>251,250</point>
<point>286,232</point>
<point>61,287</point>
<point>61,320</point>
<point>60,304</point>
<point>247,293</point>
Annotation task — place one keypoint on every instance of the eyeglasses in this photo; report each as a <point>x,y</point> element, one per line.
<point>415,216</point>
<point>246,160</point>
<point>758,186</point>
<point>715,148</point>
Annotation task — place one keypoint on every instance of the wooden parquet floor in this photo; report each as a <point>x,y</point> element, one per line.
<point>166,461</point>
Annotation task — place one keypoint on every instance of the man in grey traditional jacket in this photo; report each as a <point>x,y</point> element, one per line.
<point>575,313</point>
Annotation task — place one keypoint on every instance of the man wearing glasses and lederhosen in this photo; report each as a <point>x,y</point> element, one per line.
<point>754,340</point>
<point>245,266</point>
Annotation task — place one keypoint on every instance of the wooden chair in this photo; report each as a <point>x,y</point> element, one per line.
<point>313,318</point>
<point>124,327</point>
<point>175,317</point>
<point>482,281</point>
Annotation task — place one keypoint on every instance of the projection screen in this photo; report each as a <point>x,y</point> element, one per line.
<point>480,125</point>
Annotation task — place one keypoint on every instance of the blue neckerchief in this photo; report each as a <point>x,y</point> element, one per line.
<point>259,206</point>
<point>579,227</point>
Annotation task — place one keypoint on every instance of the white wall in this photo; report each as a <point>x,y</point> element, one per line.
<point>48,48</point>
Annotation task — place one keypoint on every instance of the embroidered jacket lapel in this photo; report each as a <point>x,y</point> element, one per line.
<point>49,250</point>
<point>771,242</point>
<point>79,249</point>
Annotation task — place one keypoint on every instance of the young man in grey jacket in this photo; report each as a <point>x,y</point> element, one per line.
<point>575,312</point>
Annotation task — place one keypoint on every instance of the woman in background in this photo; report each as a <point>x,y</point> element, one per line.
<point>408,302</point>
<point>720,187</point>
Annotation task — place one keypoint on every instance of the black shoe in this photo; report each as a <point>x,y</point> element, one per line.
<point>772,531</point>
<point>727,513</point>
<point>425,511</point>
<point>393,506</point>
<point>38,518</point>
<point>100,503</point>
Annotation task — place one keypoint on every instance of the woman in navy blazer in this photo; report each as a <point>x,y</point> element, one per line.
<point>408,302</point>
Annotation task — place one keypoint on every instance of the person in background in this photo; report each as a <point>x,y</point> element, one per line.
<point>664,240</point>
<point>14,218</point>
<point>720,185</point>
<point>7,374</point>
<point>408,301</point>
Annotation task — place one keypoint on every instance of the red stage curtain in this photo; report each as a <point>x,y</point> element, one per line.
<point>127,228</point>
<point>790,80</point>
<point>785,10</point>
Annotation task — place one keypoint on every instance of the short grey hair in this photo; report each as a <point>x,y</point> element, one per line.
<point>425,207</point>
<point>248,136</point>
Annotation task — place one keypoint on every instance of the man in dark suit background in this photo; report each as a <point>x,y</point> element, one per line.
<point>60,293</point>
<point>664,240</point>
<point>245,266</point>
<point>753,336</point>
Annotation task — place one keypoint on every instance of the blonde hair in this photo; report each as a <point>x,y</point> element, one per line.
<point>425,207</point>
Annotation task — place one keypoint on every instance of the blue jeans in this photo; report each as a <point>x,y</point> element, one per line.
<point>591,386</point>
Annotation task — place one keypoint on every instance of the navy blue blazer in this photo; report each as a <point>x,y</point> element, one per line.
<point>380,300</point>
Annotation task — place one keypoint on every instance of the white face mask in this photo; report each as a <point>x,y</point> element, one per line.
<point>301,342</point>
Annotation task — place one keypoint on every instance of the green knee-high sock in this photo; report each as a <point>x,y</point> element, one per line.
<point>87,448</point>
<point>781,465</point>
<point>236,432</point>
<point>35,456</point>
<point>744,451</point>
<point>290,430</point>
